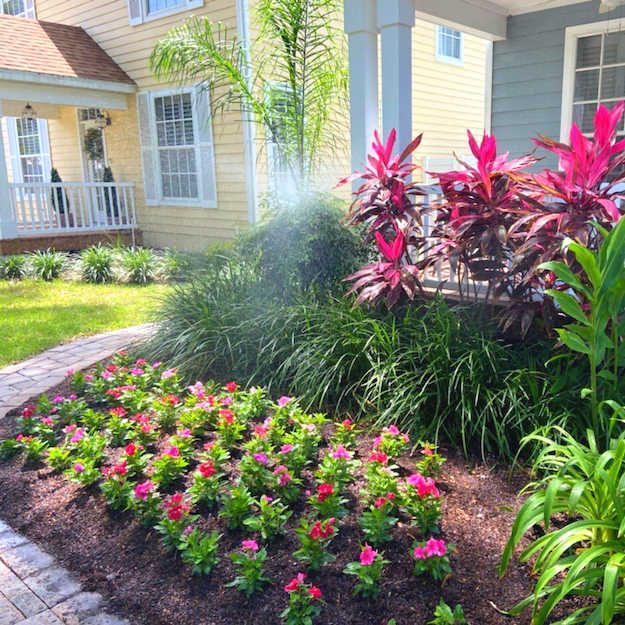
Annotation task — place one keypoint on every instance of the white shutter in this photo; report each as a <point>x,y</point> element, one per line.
<point>135,11</point>
<point>146,132</point>
<point>16,170</point>
<point>45,149</point>
<point>206,150</point>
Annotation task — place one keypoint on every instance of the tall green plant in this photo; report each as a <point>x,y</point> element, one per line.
<point>300,46</point>
<point>596,332</point>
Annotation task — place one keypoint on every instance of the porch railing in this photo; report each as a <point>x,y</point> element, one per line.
<point>67,207</point>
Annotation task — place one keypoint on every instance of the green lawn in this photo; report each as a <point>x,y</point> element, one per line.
<point>35,316</point>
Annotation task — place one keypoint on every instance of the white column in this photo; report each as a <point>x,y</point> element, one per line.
<point>8,225</point>
<point>396,19</point>
<point>362,35</point>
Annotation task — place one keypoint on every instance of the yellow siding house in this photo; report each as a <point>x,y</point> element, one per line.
<point>135,156</point>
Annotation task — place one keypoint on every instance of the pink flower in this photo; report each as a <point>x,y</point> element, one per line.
<point>261,457</point>
<point>79,467</point>
<point>324,491</point>
<point>77,435</point>
<point>284,400</point>
<point>69,428</point>
<point>137,371</point>
<point>436,547</point>
<point>424,486</point>
<point>143,490</point>
<point>226,401</point>
<point>260,431</point>
<point>88,378</point>
<point>72,397</point>
<point>106,375</point>
<point>314,592</point>
<point>131,449</point>
<point>377,441</point>
<point>285,476</point>
<point>391,429</point>
<point>285,449</point>
<point>58,400</point>
<point>406,438</point>
<point>172,452</point>
<point>208,446</point>
<point>231,387</point>
<point>47,421</point>
<point>188,530</point>
<point>341,452</point>
<point>378,456</point>
<point>426,451</point>
<point>347,424</point>
<point>156,365</point>
<point>186,433</point>
<point>420,553</point>
<point>367,556</point>
<point>70,373</point>
<point>252,545</point>
<point>310,427</point>
<point>266,499</point>
<point>197,390</point>
<point>167,374</point>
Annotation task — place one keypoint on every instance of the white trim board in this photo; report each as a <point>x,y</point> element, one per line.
<point>572,34</point>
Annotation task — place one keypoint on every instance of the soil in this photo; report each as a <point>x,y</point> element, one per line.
<point>113,554</point>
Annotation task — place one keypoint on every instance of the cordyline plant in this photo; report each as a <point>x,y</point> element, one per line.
<point>477,210</point>
<point>385,204</point>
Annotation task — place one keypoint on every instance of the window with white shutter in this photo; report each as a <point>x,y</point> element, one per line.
<point>29,148</point>
<point>177,148</point>
<point>145,10</point>
<point>23,8</point>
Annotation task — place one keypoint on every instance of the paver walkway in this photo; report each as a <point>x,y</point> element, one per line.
<point>24,380</point>
<point>34,590</point>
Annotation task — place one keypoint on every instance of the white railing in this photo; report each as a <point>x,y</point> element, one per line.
<point>67,207</point>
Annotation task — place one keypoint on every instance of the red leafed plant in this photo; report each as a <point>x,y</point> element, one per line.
<point>385,203</point>
<point>475,214</point>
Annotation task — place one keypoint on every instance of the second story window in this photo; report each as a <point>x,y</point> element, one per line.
<point>449,45</point>
<point>154,6</point>
<point>22,8</point>
<point>145,10</point>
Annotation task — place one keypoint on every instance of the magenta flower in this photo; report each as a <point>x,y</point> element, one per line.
<point>266,498</point>
<point>261,457</point>
<point>137,371</point>
<point>377,441</point>
<point>58,400</point>
<point>79,467</point>
<point>435,547</point>
<point>72,397</point>
<point>367,556</point>
<point>172,452</point>
<point>226,401</point>
<point>77,435</point>
<point>285,449</point>
<point>341,452</point>
<point>252,545</point>
<point>420,553</point>
<point>69,428</point>
<point>391,429</point>
<point>143,490</point>
<point>284,400</point>
<point>188,530</point>
<point>186,433</point>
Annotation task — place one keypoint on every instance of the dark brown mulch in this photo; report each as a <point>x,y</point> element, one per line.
<point>112,554</point>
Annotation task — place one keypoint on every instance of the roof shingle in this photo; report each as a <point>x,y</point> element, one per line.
<point>57,49</point>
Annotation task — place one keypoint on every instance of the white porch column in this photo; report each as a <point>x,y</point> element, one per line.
<point>396,19</point>
<point>362,34</point>
<point>8,225</point>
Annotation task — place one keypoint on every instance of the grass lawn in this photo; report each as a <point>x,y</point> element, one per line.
<point>35,316</point>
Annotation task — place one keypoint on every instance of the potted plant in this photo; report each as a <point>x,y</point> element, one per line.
<point>110,196</point>
<point>60,201</point>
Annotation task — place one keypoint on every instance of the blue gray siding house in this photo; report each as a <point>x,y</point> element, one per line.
<point>529,90</point>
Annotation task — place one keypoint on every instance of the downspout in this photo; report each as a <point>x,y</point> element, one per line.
<point>249,129</point>
<point>488,88</point>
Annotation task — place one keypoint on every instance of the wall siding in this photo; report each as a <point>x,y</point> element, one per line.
<point>528,73</point>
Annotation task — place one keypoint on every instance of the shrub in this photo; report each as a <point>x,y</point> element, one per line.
<point>96,264</point>
<point>302,244</point>
<point>14,267</point>
<point>139,264</point>
<point>48,265</point>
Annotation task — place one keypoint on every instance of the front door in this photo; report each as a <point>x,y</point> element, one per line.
<point>93,148</point>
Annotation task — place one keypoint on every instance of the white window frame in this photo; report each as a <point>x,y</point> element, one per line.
<point>571,36</point>
<point>200,201</point>
<point>16,157</point>
<point>29,10</point>
<point>140,13</point>
<point>443,58</point>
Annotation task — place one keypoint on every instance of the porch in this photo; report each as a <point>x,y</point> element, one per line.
<point>67,119</point>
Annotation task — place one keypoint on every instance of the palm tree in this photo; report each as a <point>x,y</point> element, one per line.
<point>295,86</point>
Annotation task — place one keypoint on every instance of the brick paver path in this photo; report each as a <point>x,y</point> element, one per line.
<point>36,375</point>
<point>34,590</point>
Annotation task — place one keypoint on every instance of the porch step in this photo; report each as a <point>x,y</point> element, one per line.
<point>67,242</point>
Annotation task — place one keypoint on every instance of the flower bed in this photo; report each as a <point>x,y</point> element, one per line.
<point>229,476</point>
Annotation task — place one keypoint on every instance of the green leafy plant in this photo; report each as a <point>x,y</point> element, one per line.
<point>444,615</point>
<point>237,506</point>
<point>14,267</point>
<point>271,518</point>
<point>139,264</point>
<point>315,538</point>
<point>601,286</point>
<point>47,265</point>
<point>200,550</point>
<point>96,264</point>
<point>368,571</point>
<point>585,555</point>
<point>251,577</point>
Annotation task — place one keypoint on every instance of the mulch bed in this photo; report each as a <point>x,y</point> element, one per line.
<point>113,554</point>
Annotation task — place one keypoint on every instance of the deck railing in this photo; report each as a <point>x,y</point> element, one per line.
<point>72,207</point>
